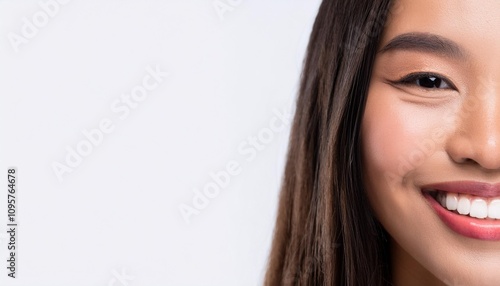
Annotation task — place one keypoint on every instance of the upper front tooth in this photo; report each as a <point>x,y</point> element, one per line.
<point>472,206</point>
<point>463,206</point>
<point>479,208</point>
<point>451,201</point>
<point>494,209</point>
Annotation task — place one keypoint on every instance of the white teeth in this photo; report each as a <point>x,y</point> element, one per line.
<point>479,208</point>
<point>451,201</point>
<point>463,206</point>
<point>494,209</point>
<point>470,205</point>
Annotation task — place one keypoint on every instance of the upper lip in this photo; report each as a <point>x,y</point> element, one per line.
<point>479,189</point>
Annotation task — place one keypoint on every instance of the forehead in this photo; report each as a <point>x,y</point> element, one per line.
<point>474,25</point>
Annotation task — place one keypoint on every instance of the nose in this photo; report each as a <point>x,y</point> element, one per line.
<point>476,134</point>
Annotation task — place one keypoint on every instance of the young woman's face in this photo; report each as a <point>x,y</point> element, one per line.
<point>431,141</point>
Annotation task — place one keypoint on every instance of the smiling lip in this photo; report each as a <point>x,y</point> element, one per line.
<point>479,189</point>
<point>483,229</point>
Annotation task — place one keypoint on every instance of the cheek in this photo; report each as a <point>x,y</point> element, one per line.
<point>385,141</point>
<point>399,139</point>
<point>398,136</point>
<point>385,137</point>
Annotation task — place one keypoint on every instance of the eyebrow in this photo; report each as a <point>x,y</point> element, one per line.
<point>425,42</point>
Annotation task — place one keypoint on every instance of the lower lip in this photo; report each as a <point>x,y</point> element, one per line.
<point>483,229</point>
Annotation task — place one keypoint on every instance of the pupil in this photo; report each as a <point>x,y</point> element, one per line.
<point>429,82</point>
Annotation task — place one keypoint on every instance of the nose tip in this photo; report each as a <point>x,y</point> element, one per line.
<point>479,145</point>
<point>475,135</point>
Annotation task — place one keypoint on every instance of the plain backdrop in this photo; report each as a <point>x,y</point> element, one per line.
<point>114,216</point>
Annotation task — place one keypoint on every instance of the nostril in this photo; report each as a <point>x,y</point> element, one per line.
<point>463,160</point>
<point>470,151</point>
<point>469,161</point>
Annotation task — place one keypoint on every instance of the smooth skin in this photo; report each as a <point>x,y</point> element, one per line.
<point>443,125</point>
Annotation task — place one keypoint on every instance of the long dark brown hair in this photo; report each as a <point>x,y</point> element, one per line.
<point>326,233</point>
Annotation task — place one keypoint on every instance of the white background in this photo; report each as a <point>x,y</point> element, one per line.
<point>117,212</point>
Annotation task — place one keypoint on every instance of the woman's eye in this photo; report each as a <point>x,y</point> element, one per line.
<point>431,82</point>
<point>427,81</point>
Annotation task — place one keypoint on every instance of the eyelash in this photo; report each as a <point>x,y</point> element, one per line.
<point>412,79</point>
